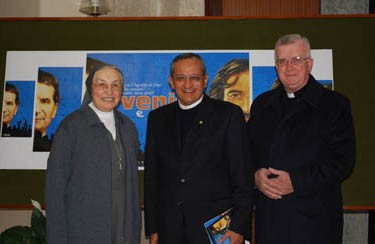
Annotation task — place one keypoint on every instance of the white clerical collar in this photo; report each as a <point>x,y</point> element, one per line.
<point>193,105</point>
<point>290,94</point>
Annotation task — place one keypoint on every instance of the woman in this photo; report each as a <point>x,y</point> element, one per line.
<point>92,192</point>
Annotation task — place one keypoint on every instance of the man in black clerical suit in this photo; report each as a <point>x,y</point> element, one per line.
<point>196,162</point>
<point>303,147</point>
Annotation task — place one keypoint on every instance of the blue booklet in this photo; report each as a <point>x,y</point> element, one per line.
<point>217,226</point>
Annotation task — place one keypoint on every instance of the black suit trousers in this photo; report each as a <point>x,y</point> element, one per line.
<point>182,229</point>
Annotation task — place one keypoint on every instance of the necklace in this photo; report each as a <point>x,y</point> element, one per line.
<point>116,144</point>
<point>119,156</point>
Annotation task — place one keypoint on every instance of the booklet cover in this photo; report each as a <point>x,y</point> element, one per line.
<point>217,226</point>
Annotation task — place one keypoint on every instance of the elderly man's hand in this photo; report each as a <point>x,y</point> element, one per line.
<point>267,185</point>
<point>283,181</point>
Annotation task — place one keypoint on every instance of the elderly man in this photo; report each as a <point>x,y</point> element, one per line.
<point>303,147</point>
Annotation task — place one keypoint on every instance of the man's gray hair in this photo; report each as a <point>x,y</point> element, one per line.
<point>292,38</point>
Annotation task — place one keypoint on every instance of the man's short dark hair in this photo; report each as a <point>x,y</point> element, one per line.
<point>12,89</point>
<point>50,80</point>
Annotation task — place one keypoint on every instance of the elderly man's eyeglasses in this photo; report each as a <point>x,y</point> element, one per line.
<point>182,78</point>
<point>103,86</point>
<point>293,61</point>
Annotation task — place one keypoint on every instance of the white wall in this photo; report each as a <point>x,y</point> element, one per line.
<point>119,8</point>
<point>344,6</point>
<point>9,218</point>
<point>19,8</point>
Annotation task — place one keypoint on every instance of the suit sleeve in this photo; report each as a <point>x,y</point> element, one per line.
<point>241,174</point>
<point>55,190</point>
<point>151,183</point>
<point>338,157</point>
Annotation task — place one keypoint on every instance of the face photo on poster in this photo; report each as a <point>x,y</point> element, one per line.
<point>17,109</point>
<point>58,93</point>
<point>231,83</point>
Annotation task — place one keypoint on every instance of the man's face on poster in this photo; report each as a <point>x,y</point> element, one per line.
<point>46,107</point>
<point>10,107</point>
<point>237,91</point>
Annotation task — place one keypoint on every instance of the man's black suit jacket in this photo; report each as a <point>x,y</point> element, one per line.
<point>206,176</point>
<point>314,141</point>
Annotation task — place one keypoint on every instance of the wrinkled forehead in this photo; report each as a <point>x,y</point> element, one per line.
<point>293,48</point>
<point>109,71</point>
<point>191,63</point>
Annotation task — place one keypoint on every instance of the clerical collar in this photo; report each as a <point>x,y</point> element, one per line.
<point>193,105</point>
<point>290,94</point>
<point>300,93</point>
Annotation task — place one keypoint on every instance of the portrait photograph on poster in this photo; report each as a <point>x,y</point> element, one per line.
<point>58,93</point>
<point>17,109</point>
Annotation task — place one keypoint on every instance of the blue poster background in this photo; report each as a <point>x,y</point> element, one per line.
<point>263,77</point>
